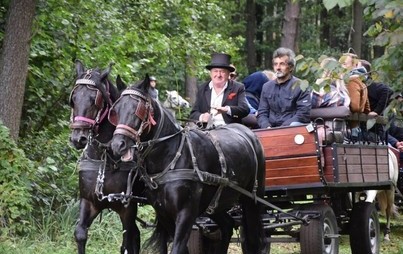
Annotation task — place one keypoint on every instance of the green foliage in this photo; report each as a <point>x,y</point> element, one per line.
<point>15,186</point>
<point>55,178</point>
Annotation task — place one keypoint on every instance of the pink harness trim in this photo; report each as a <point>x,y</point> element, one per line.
<point>84,119</point>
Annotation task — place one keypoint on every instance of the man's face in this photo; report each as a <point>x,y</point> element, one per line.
<point>219,76</point>
<point>281,67</point>
<point>153,83</point>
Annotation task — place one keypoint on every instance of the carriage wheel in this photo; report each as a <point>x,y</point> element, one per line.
<point>364,229</point>
<point>195,243</point>
<point>321,235</point>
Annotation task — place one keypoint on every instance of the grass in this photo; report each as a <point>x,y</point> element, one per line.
<point>54,234</point>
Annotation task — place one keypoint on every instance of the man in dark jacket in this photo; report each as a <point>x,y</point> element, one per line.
<point>379,94</point>
<point>220,100</point>
<point>283,102</point>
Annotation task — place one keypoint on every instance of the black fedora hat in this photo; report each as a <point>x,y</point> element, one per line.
<point>220,60</point>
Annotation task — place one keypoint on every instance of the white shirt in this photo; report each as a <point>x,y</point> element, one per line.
<point>216,101</point>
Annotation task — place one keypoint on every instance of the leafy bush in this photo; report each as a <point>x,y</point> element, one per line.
<point>56,180</point>
<point>15,185</point>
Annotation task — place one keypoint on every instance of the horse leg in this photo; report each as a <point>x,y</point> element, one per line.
<point>226,225</point>
<point>390,197</point>
<point>87,214</point>
<point>131,233</point>
<point>253,233</point>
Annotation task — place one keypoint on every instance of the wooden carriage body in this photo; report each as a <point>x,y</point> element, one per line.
<point>296,161</point>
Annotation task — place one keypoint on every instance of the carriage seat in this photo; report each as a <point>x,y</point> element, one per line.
<point>329,113</point>
<point>333,118</point>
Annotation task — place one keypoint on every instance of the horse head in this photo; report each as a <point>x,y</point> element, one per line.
<point>138,117</point>
<point>90,100</point>
<point>176,101</point>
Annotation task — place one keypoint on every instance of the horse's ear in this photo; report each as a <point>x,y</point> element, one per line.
<point>145,85</point>
<point>106,72</point>
<point>120,84</point>
<point>79,67</point>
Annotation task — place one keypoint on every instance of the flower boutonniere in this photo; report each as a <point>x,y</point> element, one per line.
<point>231,96</point>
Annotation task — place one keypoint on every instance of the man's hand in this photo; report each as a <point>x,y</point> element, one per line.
<point>221,110</point>
<point>204,117</point>
<point>399,145</point>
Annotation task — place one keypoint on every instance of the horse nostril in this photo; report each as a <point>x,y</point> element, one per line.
<point>83,140</point>
<point>122,146</point>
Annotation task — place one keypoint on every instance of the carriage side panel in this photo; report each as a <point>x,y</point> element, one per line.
<point>291,156</point>
<point>346,163</point>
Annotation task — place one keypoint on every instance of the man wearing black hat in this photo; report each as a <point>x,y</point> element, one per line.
<point>220,100</point>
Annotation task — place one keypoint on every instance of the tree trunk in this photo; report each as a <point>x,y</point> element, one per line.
<point>14,62</point>
<point>356,38</point>
<point>290,27</point>
<point>190,80</point>
<point>250,35</point>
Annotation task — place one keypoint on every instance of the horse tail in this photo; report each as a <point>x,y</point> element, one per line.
<point>157,242</point>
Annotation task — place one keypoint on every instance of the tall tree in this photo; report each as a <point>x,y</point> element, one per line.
<point>14,62</point>
<point>290,27</point>
<point>356,33</point>
<point>250,35</point>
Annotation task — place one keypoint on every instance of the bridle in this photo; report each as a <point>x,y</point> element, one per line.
<point>144,111</point>
<point>83,122</point>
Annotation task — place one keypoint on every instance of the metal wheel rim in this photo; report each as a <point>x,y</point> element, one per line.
<point>327,229</point>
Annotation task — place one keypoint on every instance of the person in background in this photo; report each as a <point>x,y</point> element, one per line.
<point>269,74</point>
<point>233,75</point>
<point>283,102</point>
<point>379,96</point>
<point>338,94</point>
<point>220,100</point>
<point>357,90</point>
<point>153,90</point>
<point>335,97</point>
<point>253,87</point>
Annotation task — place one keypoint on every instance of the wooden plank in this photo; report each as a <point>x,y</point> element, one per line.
<point>292,172</point>
<point>297,162</point>
<point>279,142</point>
<point>292,180</point>
<point>358,178</point>
<point>358,169</point>
<point>356,164</point>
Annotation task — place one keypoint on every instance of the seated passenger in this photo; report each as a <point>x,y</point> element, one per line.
<point>379,95</point>
<point>283,102</point>
<point>253,88</point>
<point>357,91</point>
<point>220,100</point>
<point>332,93</point>
<point>337,95</point>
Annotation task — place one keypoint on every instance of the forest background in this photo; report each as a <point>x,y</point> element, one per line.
<point>170,39</point>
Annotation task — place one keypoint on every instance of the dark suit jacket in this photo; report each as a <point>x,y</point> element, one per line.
<point>234,97</point>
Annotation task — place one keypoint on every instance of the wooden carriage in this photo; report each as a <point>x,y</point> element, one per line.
<point>294,158</point>
<point>308,176</point>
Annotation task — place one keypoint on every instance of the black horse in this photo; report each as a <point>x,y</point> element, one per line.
<point>188,171</point>
<point>104,181</point>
